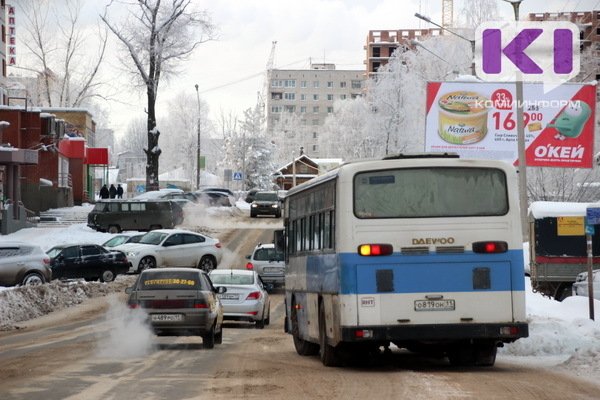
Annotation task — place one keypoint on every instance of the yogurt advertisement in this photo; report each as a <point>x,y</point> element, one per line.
<point>478,120</point>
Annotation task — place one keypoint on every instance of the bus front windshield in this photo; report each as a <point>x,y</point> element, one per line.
<point>430,192</point>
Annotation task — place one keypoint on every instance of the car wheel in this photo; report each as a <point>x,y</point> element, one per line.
<point>33,278</point>
<point>252,215</point>
<point>268,319</point>
<point>146,263</point>
<point>260,324</point>
<point>219,336</point>
<point>208,340</point>
<point>114,229</point>
<point>107,276</point>
<point>207,264</point>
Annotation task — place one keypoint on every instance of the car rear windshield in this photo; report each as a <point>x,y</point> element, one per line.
<point>430,192</point>
<point>268,254</point>
<point>266,196</point>
<point>168,280</point>
<point>232,279</point>
<point>15,251</point>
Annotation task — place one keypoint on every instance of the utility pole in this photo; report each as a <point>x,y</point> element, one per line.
<point>198,148</point>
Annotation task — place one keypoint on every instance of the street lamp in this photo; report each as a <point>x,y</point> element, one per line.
<point>416,43</point>
<point>472,42</point>
<point>198,149</point>
<point>521,138</point>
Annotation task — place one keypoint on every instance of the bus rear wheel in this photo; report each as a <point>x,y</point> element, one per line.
<point>329,354</point>
<point>469,354</point>
<point>303,347</point>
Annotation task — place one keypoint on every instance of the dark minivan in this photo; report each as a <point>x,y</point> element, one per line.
<point>115,216</point>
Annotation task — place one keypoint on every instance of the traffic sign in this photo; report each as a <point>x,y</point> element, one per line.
<point>592,215</point>
<point>237,176</point>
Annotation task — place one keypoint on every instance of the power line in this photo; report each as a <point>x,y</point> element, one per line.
<point>246,78</point>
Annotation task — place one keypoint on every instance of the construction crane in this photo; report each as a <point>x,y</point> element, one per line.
<point>447,14</point>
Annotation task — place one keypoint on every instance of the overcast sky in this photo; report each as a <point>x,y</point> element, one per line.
<point>333,31</point>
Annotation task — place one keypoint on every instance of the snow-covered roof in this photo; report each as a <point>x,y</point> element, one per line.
<point>543,209</point>
<point>46,115</point>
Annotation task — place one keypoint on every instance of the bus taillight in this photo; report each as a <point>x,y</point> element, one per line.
<point>375,249</point>
<point>490,247</point>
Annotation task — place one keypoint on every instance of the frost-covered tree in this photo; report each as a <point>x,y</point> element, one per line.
<point>258,152</point>
<point>233,148</point>
<point>135,136</point>
<point>350,124</point>
<point>475,12</point>
<point>64,59</point>
<point>180,149</point>
<point>156,36</point>
<point>391,117</point>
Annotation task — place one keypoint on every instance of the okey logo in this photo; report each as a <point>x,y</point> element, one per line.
<point>528,51</point>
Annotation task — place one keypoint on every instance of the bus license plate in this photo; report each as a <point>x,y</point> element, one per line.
<point>167,317</point>
<point>434,305</point>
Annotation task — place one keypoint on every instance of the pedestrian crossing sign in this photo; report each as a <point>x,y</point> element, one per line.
<point>237,176</point>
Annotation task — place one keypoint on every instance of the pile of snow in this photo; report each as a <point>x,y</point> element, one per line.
<point>24,303</point>
<point>560,334</point>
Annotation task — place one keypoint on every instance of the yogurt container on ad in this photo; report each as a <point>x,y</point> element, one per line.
<point>463,117</point>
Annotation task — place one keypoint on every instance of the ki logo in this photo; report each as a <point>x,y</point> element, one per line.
<point>527,51</point>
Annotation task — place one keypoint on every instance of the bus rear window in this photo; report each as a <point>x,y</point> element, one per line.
<point>430,193</point>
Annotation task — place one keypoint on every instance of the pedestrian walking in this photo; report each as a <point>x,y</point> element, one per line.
<point>104,192</point>
<point>112,191</point>
<point>119,191</point>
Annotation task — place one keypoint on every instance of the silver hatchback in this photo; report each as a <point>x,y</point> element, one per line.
<point>23,264</point>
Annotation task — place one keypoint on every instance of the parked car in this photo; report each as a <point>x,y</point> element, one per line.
<point>115,216</point>
<point>23,264</point>
<point>217,189</point>
<point>158,194</point>
<point>580,287</point>
<point>250,195</point>
<point>87,261</point>
<point>214,199</point>
<point>265,203</point>
<point>180,302</point>
<point>268,262</point>
<point>122,238</point>
<point>246,298</point>
<point>230,195</point>
<point>173,248</point>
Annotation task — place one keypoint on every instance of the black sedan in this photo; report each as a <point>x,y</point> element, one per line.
<point>87,261</point>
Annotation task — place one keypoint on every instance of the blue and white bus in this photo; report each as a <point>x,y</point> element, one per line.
<point>421,251</point>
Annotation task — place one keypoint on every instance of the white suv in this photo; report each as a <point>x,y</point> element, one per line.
<point>268,263</point>
<point>172,248</point>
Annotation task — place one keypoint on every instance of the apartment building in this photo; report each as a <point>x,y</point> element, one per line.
<point>381,44</point>
<point>310,95</point>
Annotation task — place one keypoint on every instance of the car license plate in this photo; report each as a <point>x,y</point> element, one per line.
<point>273,269</point>
<point>434,305</point>
<point>229,296</point>
<point>167,317</point>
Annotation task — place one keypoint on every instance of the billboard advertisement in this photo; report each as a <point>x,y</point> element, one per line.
<point>478,120</point>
